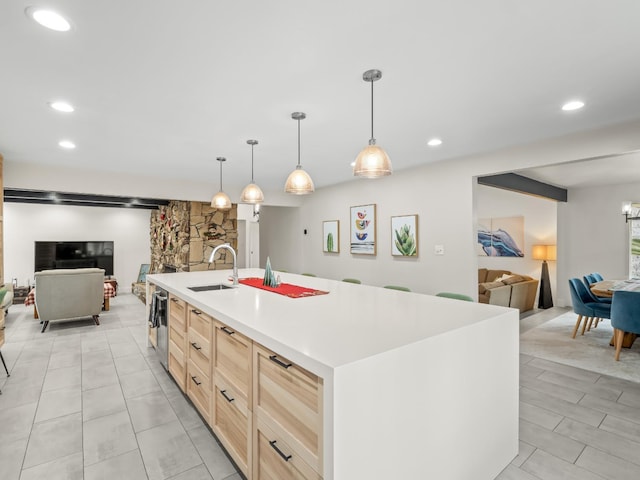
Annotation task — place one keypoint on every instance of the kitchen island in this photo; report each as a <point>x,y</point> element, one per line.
<point>407,385</point>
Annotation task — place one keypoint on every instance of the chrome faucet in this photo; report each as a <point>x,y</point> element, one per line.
<point>235,260</point>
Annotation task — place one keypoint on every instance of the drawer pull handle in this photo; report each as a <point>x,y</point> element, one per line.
<point>227,331</point>
<point>274,358</point>
<point>197,312</point>
<point>195,345</point>
<point>173,299</point>
<point>275,447</point>
<point>228,398</point>
<point>195,381</point>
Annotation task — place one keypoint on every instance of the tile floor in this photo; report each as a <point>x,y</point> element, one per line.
<point>87,402</point>
<point>91,402</point>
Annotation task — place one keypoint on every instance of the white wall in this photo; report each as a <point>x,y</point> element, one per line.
<point>281,238</point>
<point>540,222</point>
<point>26,223</point>
<point>592,234</point>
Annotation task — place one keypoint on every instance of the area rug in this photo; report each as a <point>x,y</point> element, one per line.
<point>591,351</point>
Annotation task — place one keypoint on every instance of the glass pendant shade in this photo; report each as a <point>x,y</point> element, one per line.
<point>299,182</point>
<point>372,162</point>
<point>221,201</point>
<point>252,194</point>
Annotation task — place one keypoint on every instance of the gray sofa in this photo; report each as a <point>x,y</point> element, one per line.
<point>67,294</point>
<point>517,291</point>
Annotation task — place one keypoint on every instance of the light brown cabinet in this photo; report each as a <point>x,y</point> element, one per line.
<point>288,400</point>
<point>231,419</point>
<point>265,410</point>
<point>178,340</point>
<point>199,335</point>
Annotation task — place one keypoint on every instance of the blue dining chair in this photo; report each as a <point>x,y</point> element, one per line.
<point>597,276</point>
<point>586,309</point>
<point>625,316</point>
<point>589,280</point>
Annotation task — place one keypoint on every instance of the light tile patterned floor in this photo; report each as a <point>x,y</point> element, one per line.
<point>87,402</point>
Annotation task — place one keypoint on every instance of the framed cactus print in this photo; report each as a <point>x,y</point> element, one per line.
<point>331,236</point>
<point>404,236</point>
<point>363,229</point>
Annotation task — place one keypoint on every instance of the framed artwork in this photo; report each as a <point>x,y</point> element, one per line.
<point>331,236</point>
<point>501,237</point>
<point>404,236</point>
<point>363,229</point>
<point>142,275</point>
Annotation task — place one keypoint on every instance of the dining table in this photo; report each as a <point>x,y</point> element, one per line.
<point>605,289</point>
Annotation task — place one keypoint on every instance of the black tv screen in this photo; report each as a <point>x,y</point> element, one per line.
<point>51,255</point>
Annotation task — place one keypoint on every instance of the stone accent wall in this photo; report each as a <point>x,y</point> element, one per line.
<point>183,234</point>
<point>209,228</point>
<point>169,234</point>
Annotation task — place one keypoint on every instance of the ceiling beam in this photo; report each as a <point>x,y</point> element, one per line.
<point>12,195</point>
<point>526,185</point>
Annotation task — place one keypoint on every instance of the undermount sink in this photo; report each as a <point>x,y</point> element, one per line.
<point>206,288</point>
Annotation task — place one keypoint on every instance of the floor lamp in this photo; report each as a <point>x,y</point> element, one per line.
<point>544,253</point>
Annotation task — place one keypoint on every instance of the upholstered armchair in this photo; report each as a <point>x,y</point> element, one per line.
<point>67,294</point>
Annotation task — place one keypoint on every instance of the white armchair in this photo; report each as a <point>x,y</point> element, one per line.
<point>67,294</point>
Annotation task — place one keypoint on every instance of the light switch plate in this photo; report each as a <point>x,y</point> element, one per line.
<point>438,249</point>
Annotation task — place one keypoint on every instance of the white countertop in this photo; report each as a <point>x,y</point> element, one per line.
<point>325,332</point>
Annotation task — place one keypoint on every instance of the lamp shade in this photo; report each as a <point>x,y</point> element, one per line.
<point>299,182</point>
<point>544,252</point>
<point>372,162</point>
<point>221,201</point>
<point>252,194</point>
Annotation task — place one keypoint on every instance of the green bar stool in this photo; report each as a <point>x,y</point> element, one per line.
<point>397,287</point>
<point>308,274</point>
<point>455,296</point>
<point>352,280</point>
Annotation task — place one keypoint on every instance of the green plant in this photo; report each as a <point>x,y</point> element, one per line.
<point>330,242</point>
<point>405,241</point>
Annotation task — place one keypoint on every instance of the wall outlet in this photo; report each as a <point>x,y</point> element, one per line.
<point>438,249</point>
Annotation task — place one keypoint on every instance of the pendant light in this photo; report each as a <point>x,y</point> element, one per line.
<point>221,200</point>
<point>373,161</point>
<point>299,182</point>
<point>252,193</point>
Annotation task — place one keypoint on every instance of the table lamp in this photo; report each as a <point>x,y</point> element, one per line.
<point>544,253</point>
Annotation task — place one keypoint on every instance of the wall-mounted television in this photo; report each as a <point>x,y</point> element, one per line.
<point>51,255</point>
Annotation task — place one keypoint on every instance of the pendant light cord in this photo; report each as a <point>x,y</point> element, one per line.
<point>220,176</point>
<point>298,142</point>
<point>372,137</point>
<point>252,163</point>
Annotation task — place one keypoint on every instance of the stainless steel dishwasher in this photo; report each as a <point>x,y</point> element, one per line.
<point>159,319</point>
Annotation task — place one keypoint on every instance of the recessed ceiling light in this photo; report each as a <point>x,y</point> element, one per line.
<point>61,106</point>
<point>434,142</point>
<point>49,19</point>
<point>68,144</point>
<point>572,105</point>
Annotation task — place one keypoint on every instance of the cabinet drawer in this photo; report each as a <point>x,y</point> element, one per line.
<point>179,337</point>
<point>199,352</point>
<point>233,359</point>
<point>231,421</point>
<point>199,390</point>
<point>274,459</point>
<point>177,365</point>
<point>292,397</point>
<point>177,313</point>
<point>200,322</point>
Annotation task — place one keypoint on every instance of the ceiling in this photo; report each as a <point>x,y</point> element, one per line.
<point>164,87</point>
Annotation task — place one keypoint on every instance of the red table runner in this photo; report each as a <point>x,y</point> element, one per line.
<point>287,289</point>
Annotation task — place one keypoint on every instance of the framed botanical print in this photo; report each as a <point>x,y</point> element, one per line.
<point>404,236</point>
<point>363,229</point>
<point>331,236</point>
